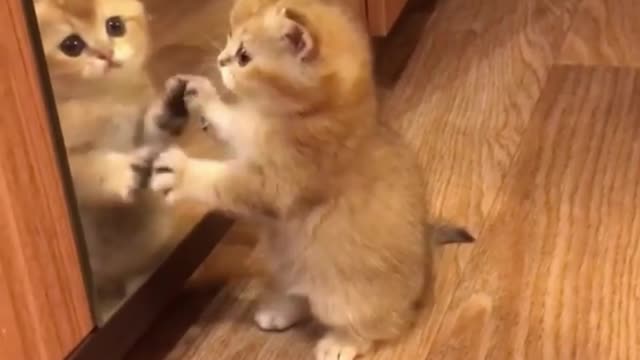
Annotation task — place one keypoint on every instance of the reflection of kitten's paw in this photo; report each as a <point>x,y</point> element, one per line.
<point>331,347</point>
<point>127,174</point>
<point>161,124</point>
<point>198,92</point>
<point>174,82</point>
<point>167,173</point>
<point>173,114</point>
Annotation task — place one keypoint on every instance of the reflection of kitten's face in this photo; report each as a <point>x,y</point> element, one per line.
<point>92,40</point>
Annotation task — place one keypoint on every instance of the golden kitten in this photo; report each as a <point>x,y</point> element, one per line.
<point>338,197</point>
<point>96,52</point>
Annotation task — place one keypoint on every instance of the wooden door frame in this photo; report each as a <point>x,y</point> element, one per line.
<point>44,312</point>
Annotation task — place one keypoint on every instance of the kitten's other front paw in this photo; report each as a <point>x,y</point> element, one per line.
<point>168,172</point>
<point>127,174</point>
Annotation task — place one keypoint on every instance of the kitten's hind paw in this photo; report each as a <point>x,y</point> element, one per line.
<point>332,347</point>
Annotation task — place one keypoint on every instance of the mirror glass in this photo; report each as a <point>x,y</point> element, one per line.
<point>107,62</point>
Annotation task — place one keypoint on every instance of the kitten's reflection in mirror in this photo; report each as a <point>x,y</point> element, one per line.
<point>96,53</point>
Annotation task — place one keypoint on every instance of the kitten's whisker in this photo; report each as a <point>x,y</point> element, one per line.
<point>209,64</point>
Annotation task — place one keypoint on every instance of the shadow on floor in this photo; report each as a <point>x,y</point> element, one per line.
<point>394,51</point>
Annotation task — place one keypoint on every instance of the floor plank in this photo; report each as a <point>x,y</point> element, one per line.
<point>556,275</point>
<point>467,94</point>
<point>605,32</point>
<point>463,103</point>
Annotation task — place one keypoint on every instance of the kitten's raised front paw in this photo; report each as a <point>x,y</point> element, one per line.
<point>199,89</point>
<point>199,94</point>
<point>127,174</point>
<point>332,347</point>
<point>167,173</point>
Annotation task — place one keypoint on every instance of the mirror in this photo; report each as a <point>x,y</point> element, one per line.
<point>107,62</point>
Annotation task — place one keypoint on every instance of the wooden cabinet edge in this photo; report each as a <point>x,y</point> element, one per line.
<point>382,14</point>
<point>44,311</point>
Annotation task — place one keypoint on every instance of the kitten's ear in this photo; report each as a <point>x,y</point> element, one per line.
<point>297,35</point>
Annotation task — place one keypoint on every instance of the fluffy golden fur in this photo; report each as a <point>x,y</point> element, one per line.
<point>338,198</point>
<point>102,94</point>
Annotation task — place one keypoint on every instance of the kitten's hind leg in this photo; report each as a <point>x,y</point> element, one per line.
<point>356,326</point>
<point>341,345</point>
<point>279,312</point>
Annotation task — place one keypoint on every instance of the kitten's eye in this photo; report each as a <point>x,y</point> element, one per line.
<point>115,26</point>
<point>243,56</point>
<point>73,45</point>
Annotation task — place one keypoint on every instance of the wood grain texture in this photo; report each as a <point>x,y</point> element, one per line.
<point>43,307</point>
<point>463,103</point>
<point>605,32</point>
<point>468,92</point>
<point>556,275</point>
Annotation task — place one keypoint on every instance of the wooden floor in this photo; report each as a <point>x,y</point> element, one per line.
<point>526,117</point>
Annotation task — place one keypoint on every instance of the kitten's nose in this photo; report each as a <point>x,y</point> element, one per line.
<point>224,61</point>
<point>106,54</point>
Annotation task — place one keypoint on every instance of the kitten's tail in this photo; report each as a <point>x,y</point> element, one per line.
<point>443,234</point>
